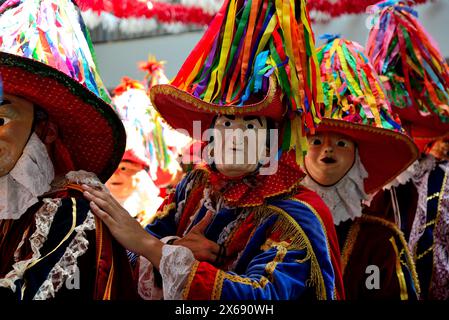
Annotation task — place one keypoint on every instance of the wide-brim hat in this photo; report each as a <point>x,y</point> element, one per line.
<point>255,59</point>
<point>415,72</point>
<point>356,106</point>
<point>88,126</point>
<point>384,153</point>
<point>46,57</point>
<point>181,109</point>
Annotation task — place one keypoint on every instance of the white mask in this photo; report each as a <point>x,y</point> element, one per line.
<point>30,178</point>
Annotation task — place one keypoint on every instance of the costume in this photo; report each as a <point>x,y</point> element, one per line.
<point>417,81</point>
<point>278,237</point>
<point>131,184</point>
<point>167,142</point>
<point>48,235</point>
<point>356,107</point>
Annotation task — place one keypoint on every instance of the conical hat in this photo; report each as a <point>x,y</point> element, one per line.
<point>356,106</point>
<point>46,57</point>
<point>416,74</point>
<point>257,58</point>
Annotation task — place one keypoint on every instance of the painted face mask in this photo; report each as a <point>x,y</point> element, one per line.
<point>329,158</point>
<point>239,144</point>
<point>123,182</point>
<point>16,119</point>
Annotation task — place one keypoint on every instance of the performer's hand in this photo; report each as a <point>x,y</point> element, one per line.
<point>203,249</point>
<point>123,227</point>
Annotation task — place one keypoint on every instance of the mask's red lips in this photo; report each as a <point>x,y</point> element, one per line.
<point>328,160</point>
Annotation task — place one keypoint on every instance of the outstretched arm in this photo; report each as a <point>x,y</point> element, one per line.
<point>134,238</point>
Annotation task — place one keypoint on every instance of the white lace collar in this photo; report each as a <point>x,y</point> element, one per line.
<point>30,178</point>
<point>344,199</point>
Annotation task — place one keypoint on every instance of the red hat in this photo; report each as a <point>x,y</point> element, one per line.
<point>356,106</point>
<point>45,58</point>
<point>131,156</point>
<point>416,74</point>
<point>256,58</point>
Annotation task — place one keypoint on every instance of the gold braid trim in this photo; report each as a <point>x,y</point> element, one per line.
<point>271,266</point>
<point>399,272</point>
<point>161,214</point>
<point>296,237</point>
<point>209,107</point>
<point>185,292</point>
<point>390,225</point>
<point>222,276</point>
<point>349,245</point>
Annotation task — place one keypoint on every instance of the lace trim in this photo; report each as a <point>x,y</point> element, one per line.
<point>67,266</point>
<point>44,219</point>
<point>175,267</point>
<point>404,177</point>
<point>344,199</point>
<point>421,179</point>
<point>147,288</point>
<point>439,288</point>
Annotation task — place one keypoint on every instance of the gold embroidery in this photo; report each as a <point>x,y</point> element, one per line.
<point>271,266</point>
<point>165,211</point>
<point>218,285</point>
<point>422,255</point>
<point>222,276</point>
<point>270,243</point>
<point>371,219</point>
<point>433,196</point>
<point>292,231</point>
<point>208,107</point>
<point>349,245</point>
<point>399,272</point>
<point>186,290</point>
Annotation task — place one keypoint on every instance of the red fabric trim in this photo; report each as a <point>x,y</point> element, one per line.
<point>240,239</point>
<point>239,194</point>
<point>203,283</point>
<point>194,200</point>
<point>323,211</point>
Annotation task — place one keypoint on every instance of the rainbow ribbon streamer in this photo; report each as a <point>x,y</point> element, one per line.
<point>352,88</point>
<point>402,51</point>
<point>247,43</point>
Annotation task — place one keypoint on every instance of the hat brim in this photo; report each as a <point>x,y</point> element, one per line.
<point>89,128</point>
<point>424,129</point>
<point>181,109</point>
<point>384,153</point>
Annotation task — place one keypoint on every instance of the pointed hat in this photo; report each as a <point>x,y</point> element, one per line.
<point>46,57</point>
<point>355,105</point>
<point>256,58</point>
<point>416,74</point>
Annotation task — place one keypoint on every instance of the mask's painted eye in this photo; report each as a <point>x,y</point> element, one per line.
<point>227,123</point>
<point>250,126</point>
<point>4,121</point>
<point>342,143</point>
<point>315,142</point>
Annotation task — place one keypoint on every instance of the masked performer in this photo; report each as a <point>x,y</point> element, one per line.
<point>241,227</point>
<point>417,80</point>
<point>56,132</point>
<point>358,148</point>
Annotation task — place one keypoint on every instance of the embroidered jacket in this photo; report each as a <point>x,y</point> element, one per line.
<point>59,250</point>
<point>429,236</point>
<point>376,260</point>
<point>279,237</point>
